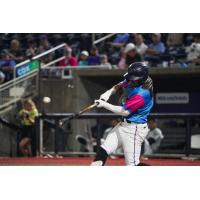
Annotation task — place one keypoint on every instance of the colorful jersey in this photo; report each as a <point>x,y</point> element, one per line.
<point>139,103</point>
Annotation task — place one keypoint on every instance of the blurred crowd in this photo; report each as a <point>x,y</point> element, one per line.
<point>120,50</point>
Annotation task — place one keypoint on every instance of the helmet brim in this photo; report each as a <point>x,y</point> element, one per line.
<point>130,77</point>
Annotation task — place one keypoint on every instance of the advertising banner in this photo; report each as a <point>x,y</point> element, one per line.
<point>25,69</point>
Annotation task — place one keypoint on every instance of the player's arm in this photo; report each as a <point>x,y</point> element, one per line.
<point>130,106</point>
<point>106,95</point>
<point>115,109</point>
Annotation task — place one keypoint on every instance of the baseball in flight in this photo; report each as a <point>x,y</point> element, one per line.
<point>46,99</point>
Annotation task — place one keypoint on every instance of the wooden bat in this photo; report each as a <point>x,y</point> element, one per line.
<point>63,121</point>
<point>87,108</point>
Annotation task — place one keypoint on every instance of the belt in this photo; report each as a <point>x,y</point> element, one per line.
<point>126,120</point>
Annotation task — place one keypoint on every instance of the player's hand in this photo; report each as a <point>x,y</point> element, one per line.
<point>100,103</point>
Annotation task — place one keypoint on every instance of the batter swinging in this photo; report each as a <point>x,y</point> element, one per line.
<point>132,130</point>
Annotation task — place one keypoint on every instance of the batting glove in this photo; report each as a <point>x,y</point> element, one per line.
<point>100,103</point>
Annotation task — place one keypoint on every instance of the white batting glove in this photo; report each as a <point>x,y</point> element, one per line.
<point>100,103</point>
<point>106,95</point>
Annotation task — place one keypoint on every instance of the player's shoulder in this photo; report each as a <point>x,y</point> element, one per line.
<point>141,92</point>
<point>144,92</point>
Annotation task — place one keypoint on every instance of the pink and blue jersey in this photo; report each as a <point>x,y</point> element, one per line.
<point>139,103</point>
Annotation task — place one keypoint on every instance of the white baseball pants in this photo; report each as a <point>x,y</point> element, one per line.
<point>130,137</point>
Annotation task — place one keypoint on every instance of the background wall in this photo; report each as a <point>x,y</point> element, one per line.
<point>74,94</point>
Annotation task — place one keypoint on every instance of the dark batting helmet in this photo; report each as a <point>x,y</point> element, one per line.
<point>137,72</point>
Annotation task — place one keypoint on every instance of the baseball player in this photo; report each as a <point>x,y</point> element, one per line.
<point>132,130</point>
<point>154,138</point>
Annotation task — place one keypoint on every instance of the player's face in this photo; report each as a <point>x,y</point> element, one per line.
<point>129,83</point>
<point>132,84</point>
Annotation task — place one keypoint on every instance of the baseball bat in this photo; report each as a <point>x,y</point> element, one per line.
<point>87,108</point>
<point>63,121</point>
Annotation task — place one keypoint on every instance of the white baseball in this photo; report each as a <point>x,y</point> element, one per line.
<point>46,99</point>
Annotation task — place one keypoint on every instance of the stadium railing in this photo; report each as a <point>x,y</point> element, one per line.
<point>56,117</point>
<point>25,81</point>
<point>18,88</point>
<point>101,39</point>
<point>36,58</point>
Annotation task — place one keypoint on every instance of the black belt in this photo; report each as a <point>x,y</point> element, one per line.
<point>126,120</point>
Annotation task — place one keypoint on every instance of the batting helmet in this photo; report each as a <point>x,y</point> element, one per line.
<point>137,71</point>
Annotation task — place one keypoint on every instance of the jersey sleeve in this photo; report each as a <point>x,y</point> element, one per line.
<point>133,103</point>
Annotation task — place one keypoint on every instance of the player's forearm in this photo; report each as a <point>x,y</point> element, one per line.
<point>115,88</point>
<point>116,109</point>
<point>118,86</point>
<point>106,95</point>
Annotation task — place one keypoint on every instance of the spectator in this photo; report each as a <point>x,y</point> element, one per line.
<point>188,39</point>
<point>155,49</point>
<point>69,60</point>
<point>44,46</point>
<point>16,52</point>
<point>175,52</point>
<point>7,65</point>
<point>94,58</point>
<point>153,139</point>
<point>28,138</point>
<point>122,62</point>
<point>113,48</point>
<point>141,47</point>
<point>131,54</point>
<point>175,39</point>
<point>2,77</point>
<point>83,58</point>
<point>32,48</point>
<point>120,40</point>
<point>104,61</point>
<point>193,52</point>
